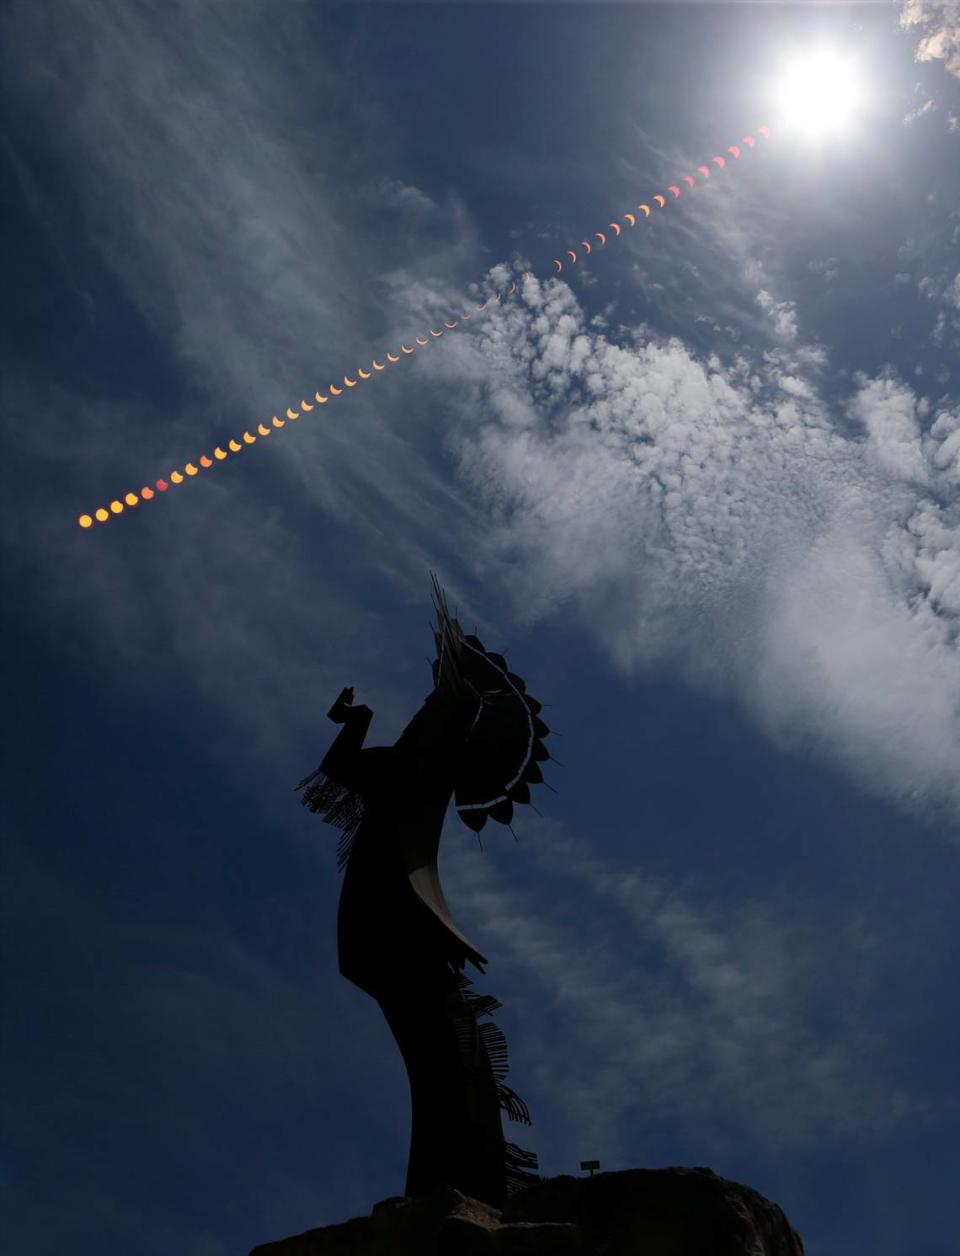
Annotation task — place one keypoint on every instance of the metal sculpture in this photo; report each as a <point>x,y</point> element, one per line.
<point>477,737</point>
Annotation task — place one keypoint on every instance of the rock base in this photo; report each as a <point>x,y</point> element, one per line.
<point>636,1212</point>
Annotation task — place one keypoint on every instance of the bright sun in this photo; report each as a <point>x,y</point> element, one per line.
<point>818,93</point>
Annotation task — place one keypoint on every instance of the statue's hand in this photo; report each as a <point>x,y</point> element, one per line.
<point>343,708</point>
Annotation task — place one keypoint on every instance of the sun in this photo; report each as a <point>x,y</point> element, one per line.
<point>818,93</point>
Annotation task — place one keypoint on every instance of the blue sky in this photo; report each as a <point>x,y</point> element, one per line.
<point>702,489</point>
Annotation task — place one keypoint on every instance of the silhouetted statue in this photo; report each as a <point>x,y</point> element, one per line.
<point>477,737</point>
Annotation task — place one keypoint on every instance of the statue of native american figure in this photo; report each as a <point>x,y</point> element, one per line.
<point>476,737</point>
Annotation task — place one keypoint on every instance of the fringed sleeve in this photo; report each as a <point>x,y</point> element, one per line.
<point>336,789</point>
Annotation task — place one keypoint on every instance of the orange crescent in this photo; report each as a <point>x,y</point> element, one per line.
<point>733,149</point>
<point>406,350</point>
<point>689,180</point>
<point>749,141</point>
<point>364,374</point>
<point>721,161</point>
<point>305,405</point>
<point>421,341</point>
<point>616,226</point>
<point>559,265</point>
<point>292,414</point>
<point>661,200</point>
<point>350,383</point>
<point>631,219</point>
<point>205,461</point>
<point>600,236</point>
<point>378,366</point>
<point>435,333</point>
<point>647,211</point>
<point>588,246</point>
<point>451,325</point>
<point>248,439</point>
<point>321,399</point>
<point>190,469</point>
<point>674,189</point>
<point>279,422</point>
<point>264,431</point>
<point>235,446</point>
<point>705,171</point>
<point>393,357</point>
<point>334,391</point>
<point>218,453</point>
<point>175,476</point>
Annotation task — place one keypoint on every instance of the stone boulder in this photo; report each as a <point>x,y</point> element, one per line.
<point>635,1212</point>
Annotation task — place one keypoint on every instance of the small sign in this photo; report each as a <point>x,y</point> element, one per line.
<point>590,1164</point>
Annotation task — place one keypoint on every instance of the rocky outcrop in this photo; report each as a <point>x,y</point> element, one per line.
<point>636,1212</point>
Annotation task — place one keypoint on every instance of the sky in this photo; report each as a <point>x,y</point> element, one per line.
<point>700,487</point>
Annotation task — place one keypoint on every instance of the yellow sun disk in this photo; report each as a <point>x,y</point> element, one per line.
<point>131,499</point>
<point>85,521</point>
<point>102,515</point>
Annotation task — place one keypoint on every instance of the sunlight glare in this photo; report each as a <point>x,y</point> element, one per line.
<point>818,94</point>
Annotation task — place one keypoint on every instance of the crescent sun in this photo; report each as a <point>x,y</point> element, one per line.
<point>720,161</point>
<point>587,245</point>
<point>276,423</point>
<point>321,399</point>
<point>689,180</point>
<point>292,414</point>
<point>450,325</point>
<point>674,189</point>
<point>559,265</point>
<point>404,349</point>
<point>647,211</point>
<point>235,446</point>
<point>420,341</point>
<point>304,406</point>
<point>435,333</point>
<point>264,431</point>
<point>364,374</point>
<point>733,149</point>
<point>616,226</point>
<point>601,237</point>
<point>335,391</point>
<point>392,357</point>
<point>631,219</point>
<point>704,170</point>
<point>661,200</point>
<point>378,366</point>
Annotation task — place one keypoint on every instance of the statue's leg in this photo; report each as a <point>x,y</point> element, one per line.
<point>456,1134</point>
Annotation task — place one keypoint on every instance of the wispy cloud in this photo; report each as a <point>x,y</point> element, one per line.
<point>939,23</point>
<point>682,1011</point>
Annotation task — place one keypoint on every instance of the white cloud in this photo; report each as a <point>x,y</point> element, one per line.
<point>709,1024</point>
<point>715,515</point>
<point>940,24</point>
<point>783,315</point>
